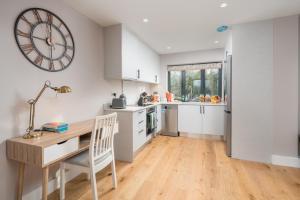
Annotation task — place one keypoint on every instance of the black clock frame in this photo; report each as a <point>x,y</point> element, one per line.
<point>36,49</point>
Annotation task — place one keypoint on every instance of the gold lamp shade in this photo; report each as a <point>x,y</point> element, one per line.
<point>63,89</point>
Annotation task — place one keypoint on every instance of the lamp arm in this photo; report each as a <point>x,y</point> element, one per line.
<point>32,103</point>
<point>46,85</point>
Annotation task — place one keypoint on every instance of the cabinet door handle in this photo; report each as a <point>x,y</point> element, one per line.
<point>141,131</point>
<point>138,74</point>
<point>62,142</point>
<point>140,112</point>
<point>141,121</point>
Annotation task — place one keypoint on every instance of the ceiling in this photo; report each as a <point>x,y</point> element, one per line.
<point>182,25</point>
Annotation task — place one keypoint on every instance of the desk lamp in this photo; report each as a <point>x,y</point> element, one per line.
<point>30,132</point>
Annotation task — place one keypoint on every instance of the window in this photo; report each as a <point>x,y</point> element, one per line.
<point>188,82</point>
<point>175,83</point>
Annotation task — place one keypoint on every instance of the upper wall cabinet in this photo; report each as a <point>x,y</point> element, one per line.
<point>128,58</point>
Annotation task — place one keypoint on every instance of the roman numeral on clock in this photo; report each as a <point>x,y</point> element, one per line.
<point>26,20</point>
<point>26,48</point>
<point>51,65</point>
<point>70,47</point>
<point>68,57</point>
<point>23,34</point>
<point>37,15</point>
<point>38,60</point>
<point>49,18</point>
<point>61,64</point>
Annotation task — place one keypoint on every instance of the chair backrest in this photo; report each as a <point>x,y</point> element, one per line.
<point>102,136</point>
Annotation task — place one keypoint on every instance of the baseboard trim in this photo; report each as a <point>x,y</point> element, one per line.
<point>286,161</point>
<point>202,136</point>
<point>53,184</point>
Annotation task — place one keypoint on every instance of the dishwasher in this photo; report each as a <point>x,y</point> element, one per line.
<point>169,119</point>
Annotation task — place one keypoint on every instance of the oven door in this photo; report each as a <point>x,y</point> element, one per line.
<point>151,122</point>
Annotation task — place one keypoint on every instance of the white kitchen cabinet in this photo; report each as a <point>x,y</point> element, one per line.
<point>139,130</point>
<point>130,60</point>
<point>213,120</point>
<point>126,57</point>
<point>201,119</point>
<point>190,119</point>
<point>132,133</point>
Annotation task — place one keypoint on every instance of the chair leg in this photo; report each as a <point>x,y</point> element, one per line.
<point>94,185</point>
<point>88,176</point>
<point>62,181</point>
<point>114,174</point>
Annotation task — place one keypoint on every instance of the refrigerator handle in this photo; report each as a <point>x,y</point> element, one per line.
<point>203,110</point>
<point>200,109</point>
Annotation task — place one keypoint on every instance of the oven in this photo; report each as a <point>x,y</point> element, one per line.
<point>151,120</point>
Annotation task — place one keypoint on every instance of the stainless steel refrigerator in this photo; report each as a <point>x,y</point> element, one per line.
<point>228,101</point>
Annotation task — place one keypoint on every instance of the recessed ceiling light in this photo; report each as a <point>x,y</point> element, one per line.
<point>216,42</point>
<point>145,20</point>
<point>223,5</point>
<point>168,47</point>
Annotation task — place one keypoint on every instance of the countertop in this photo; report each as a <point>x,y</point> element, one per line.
<point>134,108</point>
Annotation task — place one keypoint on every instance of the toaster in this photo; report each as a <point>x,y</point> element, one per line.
<point>118,103</point>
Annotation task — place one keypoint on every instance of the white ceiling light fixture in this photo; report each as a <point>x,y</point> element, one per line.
<point>168,47</point>
<point>223,5</point>
<point>145,20</point>
<point>216,42</point>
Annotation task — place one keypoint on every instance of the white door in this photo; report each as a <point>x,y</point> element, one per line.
<point>213,120</point>
<point>145,62</point>
<point>190,119</point>
<point>130,52</point>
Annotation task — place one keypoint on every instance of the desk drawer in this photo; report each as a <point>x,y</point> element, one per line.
<point>60,150</point>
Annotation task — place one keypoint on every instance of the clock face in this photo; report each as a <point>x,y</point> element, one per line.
<point>44,39</point>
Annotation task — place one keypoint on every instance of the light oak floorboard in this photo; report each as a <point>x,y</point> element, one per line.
<point>183,168</point>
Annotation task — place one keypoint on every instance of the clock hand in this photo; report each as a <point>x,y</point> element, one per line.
<point>51,40</point>
<point>59,44</point>
<point>47,30</point>
<point>39,38</point>
<point>64,45</point>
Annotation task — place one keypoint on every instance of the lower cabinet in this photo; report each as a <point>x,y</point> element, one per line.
<point>190,119</point>
<point>139,129</point>
<point>132,134</point>
<point>201,119</point>
<point>213,120</point>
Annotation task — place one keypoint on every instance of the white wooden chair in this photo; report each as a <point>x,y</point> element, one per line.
<point>100,154</point>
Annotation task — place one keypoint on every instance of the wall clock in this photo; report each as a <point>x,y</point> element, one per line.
<point>44,39</point>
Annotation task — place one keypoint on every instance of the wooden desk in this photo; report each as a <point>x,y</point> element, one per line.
<point>49,149</point>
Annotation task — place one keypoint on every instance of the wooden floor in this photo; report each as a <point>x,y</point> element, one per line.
<point>188,168</point>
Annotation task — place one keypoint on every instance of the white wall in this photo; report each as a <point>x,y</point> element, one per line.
<point>20,81</point>
<point>265,90</point>
<point>228,45</point>
<point>133,89</point>
<point>252,85</point>
<point>285,96</point>
<point>186,58</point>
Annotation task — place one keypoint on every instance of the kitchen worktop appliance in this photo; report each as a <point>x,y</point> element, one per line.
<point>119,103</point>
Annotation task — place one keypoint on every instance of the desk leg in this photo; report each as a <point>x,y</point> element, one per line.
<point>45,183</point>
<point>20,180</point>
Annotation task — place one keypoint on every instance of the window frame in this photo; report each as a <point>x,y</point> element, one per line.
<point>202,79</point>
